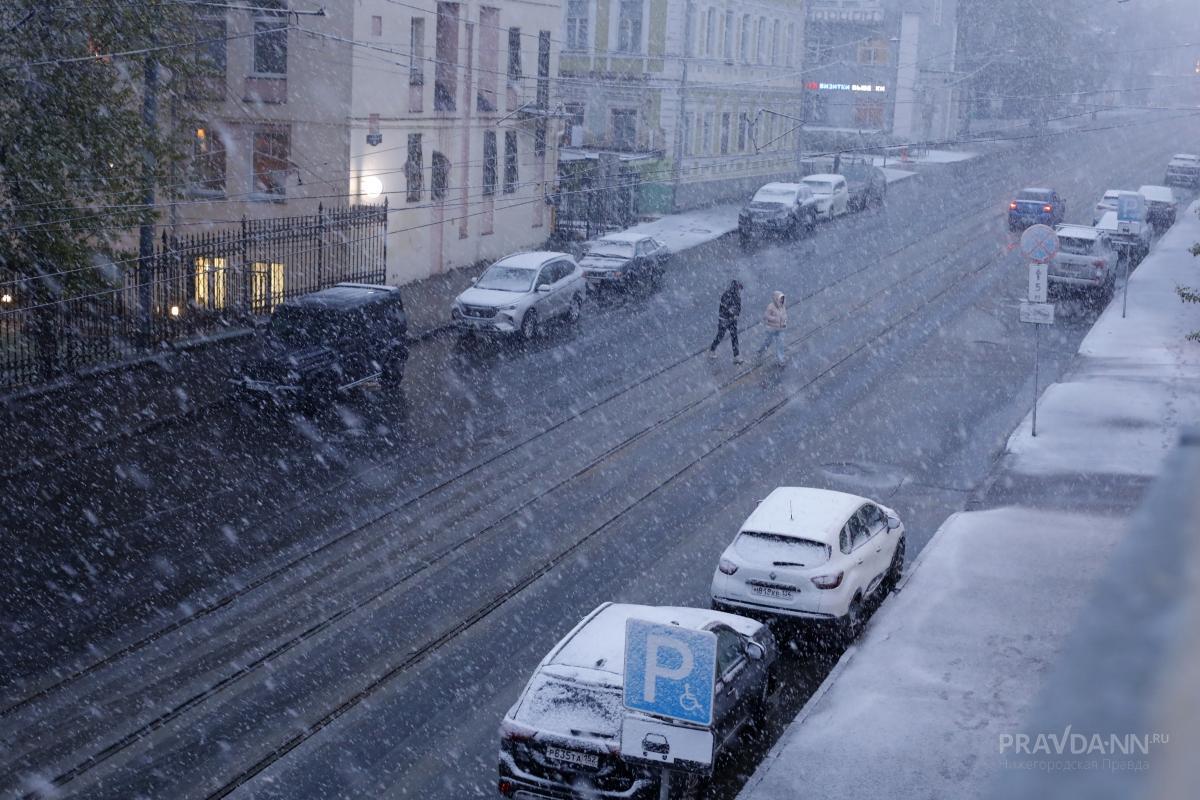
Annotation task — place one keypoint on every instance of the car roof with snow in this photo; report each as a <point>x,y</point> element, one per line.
<point>594,652</point>
<point>345,296</point>
<point>815,514</point>
<point>531,260</point>
<point>1078,231</point>
<point>1185,157</point>
<point>1159,194</point>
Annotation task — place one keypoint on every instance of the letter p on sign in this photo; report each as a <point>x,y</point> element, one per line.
<point>656,668</point>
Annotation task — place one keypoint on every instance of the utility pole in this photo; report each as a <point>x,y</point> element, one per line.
<point>149,165</point>
<point>677,170</point>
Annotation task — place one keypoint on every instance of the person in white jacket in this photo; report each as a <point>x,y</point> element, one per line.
<point>776,319</point>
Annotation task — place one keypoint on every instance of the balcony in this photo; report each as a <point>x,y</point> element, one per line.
<point>852,11</point>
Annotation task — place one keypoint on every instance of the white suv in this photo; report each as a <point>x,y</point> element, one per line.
<point>811,554</point>
<point>520,292</point>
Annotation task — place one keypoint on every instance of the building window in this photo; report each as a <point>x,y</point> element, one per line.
<point>416,59</point>
<point>210,282</point>
<point>489,163</point>
<point>868,113</point>
<point>624,122</point>
<point>775,42</point>
<point>439,183</point>
<point>510,162</point>
<point>271,160</point>
<point>706,142</point>
<point>206,169</point>
<point>578,12</point>
<point>727,36</point>
<point>414,169</point>
<point>445,70</point>
<point>211,61</point>
<point>543,70</point>
<point>816,107</point>
<point>687,134</point>
<point>743,129</point>
<point>539,138</point>
<point>725,120</point>
<point>745,38</point>
<point>629,26</point>
<point>710,31</point>
<point>514,55</point>
<point>270,47</point>
<point>266,286</point>
<point>760,41</point>
<point>489,59</point>
<point>789,55</point>
<point>873,52</point>
<point>377,26</point>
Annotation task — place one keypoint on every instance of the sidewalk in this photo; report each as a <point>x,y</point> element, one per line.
<point>934,699</point>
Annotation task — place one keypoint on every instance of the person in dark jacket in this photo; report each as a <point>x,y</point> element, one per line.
<point>727,320</point>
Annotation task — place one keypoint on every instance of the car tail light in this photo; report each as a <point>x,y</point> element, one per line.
<point>727,566</point>
<point>828,581</point>
<point>1047,209</point>
<point>506,787</point>
<point>1012,206</point>
<point>515,732</point>
<point>1099,262</point>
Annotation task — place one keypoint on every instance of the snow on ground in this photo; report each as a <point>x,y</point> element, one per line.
<point>1136,381</point>
<point>927,157</point>
<point>947,666</point>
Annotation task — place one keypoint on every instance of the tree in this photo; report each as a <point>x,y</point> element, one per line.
<point>73,148</point>
<point>1190,295</point>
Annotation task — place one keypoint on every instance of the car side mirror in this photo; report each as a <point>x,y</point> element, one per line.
<point>544,288</point>
<point>755,651</point>
<point>893,523</point>
<point>474,281</point>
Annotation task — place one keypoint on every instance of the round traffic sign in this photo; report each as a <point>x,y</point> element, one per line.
<point>1039,243</point>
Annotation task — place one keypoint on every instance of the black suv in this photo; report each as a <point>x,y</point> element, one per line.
<point>327,342</point>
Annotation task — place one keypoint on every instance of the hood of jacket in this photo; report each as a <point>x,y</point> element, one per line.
<point>777,298</point>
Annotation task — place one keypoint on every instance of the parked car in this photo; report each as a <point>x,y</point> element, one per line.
<point>831,192</point>
<point>1162,206</point>
<point>1183,170</point>
<point>1036,206</point>
<point>518,293</point>
<point>327,342</point>
<point>1130,239</point>
<point>811,554</point>
<point>1085,260</point>
<point>562,738</point>
<point>866,184</point>
<point>1107,203</point>
<point>786,209</point>
<point>623,260</point>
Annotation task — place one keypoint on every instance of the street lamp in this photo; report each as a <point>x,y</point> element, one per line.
<point>372,187</point>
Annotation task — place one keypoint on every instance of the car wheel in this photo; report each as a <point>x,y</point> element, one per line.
<point>744,241</point>
<point>851,624</point>
<point>575,310</point>
<point>896,569</point>
<point>529,325</point>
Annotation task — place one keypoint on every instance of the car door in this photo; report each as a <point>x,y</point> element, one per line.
<point>564,285</point>
<point>861,563</point>
<point>879,547</point>
<point>730,698</point>
<point>843,194</point>
<point>544,300</point>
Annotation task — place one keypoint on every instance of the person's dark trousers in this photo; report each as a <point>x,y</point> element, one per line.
<point>726,326</point>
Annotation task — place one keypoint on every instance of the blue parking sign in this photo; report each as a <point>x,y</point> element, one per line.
<point>1129,207</point>
<point>670,671</point>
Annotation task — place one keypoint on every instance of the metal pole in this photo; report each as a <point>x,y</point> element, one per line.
<point>1125,289</point>
<point>677,169</point>
<point>1037,330</point>
<point>149,164</point>
<point>664,786</point>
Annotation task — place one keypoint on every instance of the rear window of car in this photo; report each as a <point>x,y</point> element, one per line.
<point>772,195</point>
<point>774,548</point>
<point>617,249</point>
<point>1075,246</point>
<point>560,705</point>
<point>1040,197</point>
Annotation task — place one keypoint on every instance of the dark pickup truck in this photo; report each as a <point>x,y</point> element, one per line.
<point>327,342</point>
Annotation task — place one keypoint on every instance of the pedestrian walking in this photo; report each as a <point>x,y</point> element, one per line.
<point>727,320</point>
<point>776,319</point>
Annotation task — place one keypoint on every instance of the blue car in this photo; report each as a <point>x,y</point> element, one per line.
<point>1034,207</point>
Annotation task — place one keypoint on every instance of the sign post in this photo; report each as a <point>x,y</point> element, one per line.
<point>670,679</point>
<point>1039,243</point>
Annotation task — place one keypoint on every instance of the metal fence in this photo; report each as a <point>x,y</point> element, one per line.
<point>191,285</point>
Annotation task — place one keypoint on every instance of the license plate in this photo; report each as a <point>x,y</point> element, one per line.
<point>771,592</point>
<point>573,757</point>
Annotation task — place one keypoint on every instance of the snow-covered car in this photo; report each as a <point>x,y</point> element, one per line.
<point>1036,206</point>
<point>1085,260</point>
<point>831,192</point>
<point>1183,170</point>
<point>811,554</point>
<point>785,209</point>
<point>623,260</point>
<point>1162,206</point>
<point>1107,203</point>
<point>518,293</point>
<point>562,738</point>
<point>1131,239</point>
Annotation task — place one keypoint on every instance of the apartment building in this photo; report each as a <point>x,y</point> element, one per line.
<point>439,109</point>
<point>702,97</point>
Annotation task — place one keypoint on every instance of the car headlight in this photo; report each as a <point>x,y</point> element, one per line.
<point>456,311</point>
<point>510,307</point>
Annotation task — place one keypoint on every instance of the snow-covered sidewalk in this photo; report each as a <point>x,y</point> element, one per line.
<point>930,701</point>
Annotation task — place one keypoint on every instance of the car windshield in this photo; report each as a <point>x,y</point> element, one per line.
<point>780,550</point>
<point>560,705</point>
<point>612,249</point>
<point>1076,246</point>
<point>1038,197</point>
<point>774,196</point>
<point>820,187</point>
<point>300,327</point>
<point>507,279</point>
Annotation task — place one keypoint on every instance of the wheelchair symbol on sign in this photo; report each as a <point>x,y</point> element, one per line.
<point>689,701</point>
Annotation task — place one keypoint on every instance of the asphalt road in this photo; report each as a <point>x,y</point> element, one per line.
<point>256,604</point>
